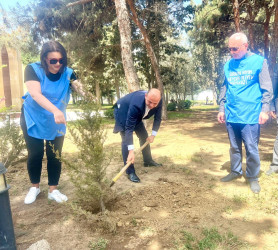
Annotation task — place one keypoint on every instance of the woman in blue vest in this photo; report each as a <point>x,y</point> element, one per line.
<point>43,116</point>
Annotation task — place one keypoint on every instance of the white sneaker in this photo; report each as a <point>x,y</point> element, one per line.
<point>57,196</point>
<point>32,195</point>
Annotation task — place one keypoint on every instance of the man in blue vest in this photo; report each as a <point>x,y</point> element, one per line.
<point>244,100</point>
<point>129,112</point>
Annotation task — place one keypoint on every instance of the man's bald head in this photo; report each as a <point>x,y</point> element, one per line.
<point>239,37</point>
<point>238,45</point>
<point>152,98</point>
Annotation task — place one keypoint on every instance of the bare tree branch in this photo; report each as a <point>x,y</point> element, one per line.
<point>118,45</point>
<point>79,2</point>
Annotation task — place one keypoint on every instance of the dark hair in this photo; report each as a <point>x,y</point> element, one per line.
<point>53,46</point>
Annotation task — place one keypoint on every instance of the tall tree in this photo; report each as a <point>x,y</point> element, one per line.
<point>268,13</point>
<point>125,32</point>
<point>274,41</point>
<point>236,15</point>
<point>81,26</point>
<point>151,54</point>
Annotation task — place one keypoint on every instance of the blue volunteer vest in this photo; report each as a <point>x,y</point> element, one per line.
<point>243,96</point>
<point>40,122</point>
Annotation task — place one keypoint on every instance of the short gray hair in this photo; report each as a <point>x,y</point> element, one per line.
<point>239,36</point>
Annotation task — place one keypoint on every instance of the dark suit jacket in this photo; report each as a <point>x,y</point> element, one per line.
<point>129,112</point>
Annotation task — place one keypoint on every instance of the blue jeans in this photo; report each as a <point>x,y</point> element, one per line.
<point>249,134</point>
<point>142,134</point>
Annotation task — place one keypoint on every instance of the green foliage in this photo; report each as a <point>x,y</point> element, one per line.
<point>91,37</point>
<point>28,57</point>
<point>240,199</point>
<point>189,240</point>
<point>214,24</point>
<point>134,222</point>
<point>182,105</point>
<point>109,113</point>
<point>211,239</point>
<point>11,141</point>
<point>187,104</point>
<point>177,71</point>
<point>171,106</point>
<point>179,115</point>
<point>101,244</point>
<point>13,34</point>
<point>88,171</point>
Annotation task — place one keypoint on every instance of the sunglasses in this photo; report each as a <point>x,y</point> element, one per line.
<point>234,49</point>
<point>54,61</point>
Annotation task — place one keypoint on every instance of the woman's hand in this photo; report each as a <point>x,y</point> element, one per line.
<point>59,117</point>
<point>34,88</point>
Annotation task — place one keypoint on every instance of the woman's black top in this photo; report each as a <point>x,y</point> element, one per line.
<point>30,75</point>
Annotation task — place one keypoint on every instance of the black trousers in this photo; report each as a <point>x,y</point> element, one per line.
<point>35,148</point>
<point>142,134</point>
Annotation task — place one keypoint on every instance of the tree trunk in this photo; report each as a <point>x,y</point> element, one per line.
<point>98,95</point>
<point>183,93</point>
<point>151,55</point>
<point>167,97</point>
<point>268,13</point>
<point>250,27</point>
<point>126,50</point>
<point>117,89</point>
<point>214,94</point>
<point>192,90</point>
<point>236,15</point>
<point>274,41</point>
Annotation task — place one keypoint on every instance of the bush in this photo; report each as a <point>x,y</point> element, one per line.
<point>182,105</point>
<point>109,113</point>
<point>171,106</point>
<point>187,104</point>
<point>11,141</point>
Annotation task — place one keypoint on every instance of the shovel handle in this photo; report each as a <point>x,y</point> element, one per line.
<point>127,165</point>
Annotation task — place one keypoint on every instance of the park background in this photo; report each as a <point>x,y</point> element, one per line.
<point>117,47</point>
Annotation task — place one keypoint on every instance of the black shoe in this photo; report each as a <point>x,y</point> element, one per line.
<point>152,163</point>
<point>231,176</point>
<point>133,177</point>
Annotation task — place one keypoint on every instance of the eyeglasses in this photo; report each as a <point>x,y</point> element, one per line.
<point>54,61</point>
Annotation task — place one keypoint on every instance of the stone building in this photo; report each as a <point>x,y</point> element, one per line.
<point>11,78</point>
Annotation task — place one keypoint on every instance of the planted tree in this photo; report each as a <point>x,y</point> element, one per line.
<point>88,170</point>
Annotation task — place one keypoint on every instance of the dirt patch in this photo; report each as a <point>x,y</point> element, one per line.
<point>184,195</point>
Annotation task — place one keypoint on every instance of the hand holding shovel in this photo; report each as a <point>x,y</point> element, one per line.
<point>127,165</point>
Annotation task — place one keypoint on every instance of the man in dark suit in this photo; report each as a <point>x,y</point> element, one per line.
<point>129,112</point>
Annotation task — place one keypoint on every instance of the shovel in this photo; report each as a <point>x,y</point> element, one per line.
<point>126,166</point>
